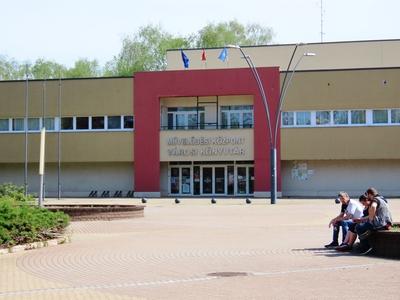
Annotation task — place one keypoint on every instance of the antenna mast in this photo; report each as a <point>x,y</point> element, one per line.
<point>322,22</point>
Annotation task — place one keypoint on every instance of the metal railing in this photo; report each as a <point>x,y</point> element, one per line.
<point>202,126</point>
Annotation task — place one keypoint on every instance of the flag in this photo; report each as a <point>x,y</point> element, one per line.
<point>203,55</point>
<point>223,55</point>
<point>185,60</point>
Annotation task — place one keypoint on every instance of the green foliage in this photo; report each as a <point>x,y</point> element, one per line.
<point>84,68</point>
<point>10,69</point>
<point>15,192</point>
<point>233,33</point>
<point>46,69</point>
<point>145,50</point>
<point>21,222</point>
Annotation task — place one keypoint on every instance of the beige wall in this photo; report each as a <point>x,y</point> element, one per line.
<point>341,143</point>
<point>362,89</point>
<point>339,55</point>
<point>324,90</point>
<point>244,149</point>
<point>328,177</point>
<point>79,97</point>
<point>75,147</point>
<point>77,180</point>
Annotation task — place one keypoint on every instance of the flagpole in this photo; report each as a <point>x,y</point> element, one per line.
<point>59,142</point>
<point>26,130</point>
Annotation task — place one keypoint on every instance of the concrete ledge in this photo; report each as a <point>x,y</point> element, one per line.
<point>66,238</point>
<point>89,212</point>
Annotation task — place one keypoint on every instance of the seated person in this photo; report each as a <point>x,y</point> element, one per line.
<point>336,227</point>
<point>353,210</point>
<point>379,218</point>
<point>351,234</point>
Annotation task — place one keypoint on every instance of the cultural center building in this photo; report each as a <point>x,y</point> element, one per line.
<point>202,130</point>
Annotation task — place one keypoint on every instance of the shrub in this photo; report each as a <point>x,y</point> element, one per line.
<point>15,192</point>
<point>21,222</point>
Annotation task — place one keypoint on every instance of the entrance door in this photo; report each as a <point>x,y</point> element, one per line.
<point>186,179</point>
<point>241,180</point>
<point>245,180</point>
<point>207,180</point>
<point>219,180</point>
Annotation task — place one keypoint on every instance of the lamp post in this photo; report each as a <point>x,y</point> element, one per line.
<point>272,127</point>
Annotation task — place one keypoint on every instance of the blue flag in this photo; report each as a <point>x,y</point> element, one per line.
<point>185,60</point>
<point>223,55</point>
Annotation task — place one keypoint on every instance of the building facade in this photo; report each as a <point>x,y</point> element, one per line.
<point>203,131</point>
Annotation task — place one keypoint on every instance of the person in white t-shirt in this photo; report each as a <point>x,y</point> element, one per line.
<point>354,210</point>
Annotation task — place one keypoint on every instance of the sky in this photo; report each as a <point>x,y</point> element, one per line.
<point>66,30</point>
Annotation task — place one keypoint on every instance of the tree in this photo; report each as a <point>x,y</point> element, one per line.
<point>234,33</point>
<point>10,69</point>
<point>47,69</point>
<point>84,68</point>
<point>146,50</point>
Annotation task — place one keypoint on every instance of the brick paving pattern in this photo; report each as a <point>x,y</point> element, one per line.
<point>175,251</point>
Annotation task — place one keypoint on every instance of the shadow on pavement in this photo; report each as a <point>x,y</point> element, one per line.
<point>325,252</point>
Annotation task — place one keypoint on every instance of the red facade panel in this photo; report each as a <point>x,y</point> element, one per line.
<point>151,86</point>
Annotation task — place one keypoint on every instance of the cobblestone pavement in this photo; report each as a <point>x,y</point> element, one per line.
<point>179,252</point>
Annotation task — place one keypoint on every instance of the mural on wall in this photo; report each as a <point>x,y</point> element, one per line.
<point>301,172</point>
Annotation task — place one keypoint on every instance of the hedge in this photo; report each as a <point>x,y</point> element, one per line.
<point>22,222</point>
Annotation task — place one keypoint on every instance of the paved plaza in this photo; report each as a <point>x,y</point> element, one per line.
<point>183,252</point>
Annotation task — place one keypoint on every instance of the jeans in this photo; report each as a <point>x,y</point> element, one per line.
<point>360,229</point>
<point>345,227</point>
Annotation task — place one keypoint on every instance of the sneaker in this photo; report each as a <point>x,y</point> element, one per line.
<point>366,251</point>
<point>332,245</point>
<point>343,248</point>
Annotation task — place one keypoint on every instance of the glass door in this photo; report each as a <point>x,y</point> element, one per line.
<point>185,188</point>
<point>241,180</point>
<point>174,181</point>
<point>219,180</point>
<point>196,180</point>
<point>207,180</point>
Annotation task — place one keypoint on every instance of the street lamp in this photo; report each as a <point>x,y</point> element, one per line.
<point>273,138</point>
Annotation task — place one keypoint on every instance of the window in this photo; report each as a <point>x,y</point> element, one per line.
<point>340,117</point>
<point>49,123</point>
<point>234,119</point>
<point>97,122</point>
<point>288,118</point>
<point>185,117</point>
<point>303,118</point>
<point>380,116</point>
<point>128,122</point>
<point>395,115</point>
<point>67,123</point>
<point>82,123</point>
<point>18,124</point>
<point>4,125</point>
<point>237,116</point>
<point>114,122</point>
<point>247,120</point>
<point>33,124</point>
<point>358,117</point>
<point>323,117</point>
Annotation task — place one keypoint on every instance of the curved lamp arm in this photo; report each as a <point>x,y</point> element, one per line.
<point>260,87</point>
